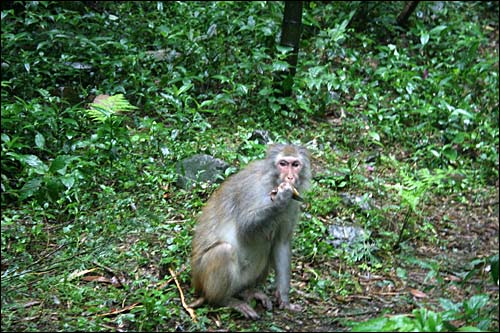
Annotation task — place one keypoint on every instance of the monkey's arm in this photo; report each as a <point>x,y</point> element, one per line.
<point>282,262</point>
<point>262,205</point>
<point>282,254</point>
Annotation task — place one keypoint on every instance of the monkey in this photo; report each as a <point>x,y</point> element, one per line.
<point>246,227</point>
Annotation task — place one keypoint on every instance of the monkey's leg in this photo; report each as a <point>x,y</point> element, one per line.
<point>220,278</point>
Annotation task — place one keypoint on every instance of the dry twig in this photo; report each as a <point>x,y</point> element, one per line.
<point>183,301</point>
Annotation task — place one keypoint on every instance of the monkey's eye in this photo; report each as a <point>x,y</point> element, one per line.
<point>283,163</point>
<point>296,164</point>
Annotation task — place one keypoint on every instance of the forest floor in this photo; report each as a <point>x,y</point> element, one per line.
<point>469,233</point>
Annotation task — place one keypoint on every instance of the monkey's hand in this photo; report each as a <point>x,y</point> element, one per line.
<point>290,307</point>
<point>282,193</point>
<point>284,303</point>
<point>281,188</point>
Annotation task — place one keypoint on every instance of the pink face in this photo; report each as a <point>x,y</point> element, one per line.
<point>289,168</point>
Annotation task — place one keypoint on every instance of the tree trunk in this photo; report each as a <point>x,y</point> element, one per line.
<point>290,36</point>
<point>402,19</point>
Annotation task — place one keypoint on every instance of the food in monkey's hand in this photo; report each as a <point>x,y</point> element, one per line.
<point>295,194</point>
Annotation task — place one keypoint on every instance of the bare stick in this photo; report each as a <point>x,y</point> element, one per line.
<point>183,301</point>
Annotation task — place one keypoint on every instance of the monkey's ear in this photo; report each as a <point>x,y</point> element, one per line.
<point>304,151</point>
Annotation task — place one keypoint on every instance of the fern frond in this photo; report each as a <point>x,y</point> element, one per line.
<point>108,106</point>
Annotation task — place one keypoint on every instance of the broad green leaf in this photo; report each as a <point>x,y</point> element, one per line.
<point>424,38</point>
<point>459,138</point>
<point>40,140</point>
<point>221,78</point>
<point>435,153</point>
<point>284,49</point>
<point>30,187</point>
<point>68,181</point>
<point>280,66</point>
<point>241,88</point>
<point>33,161</point>
<point>375,136</point>
<point>59,164</point>
<point>438,29</point>
<point>450,153</point>
<point>464,113</point>
<point>183,89</point>
<point>475,303</point>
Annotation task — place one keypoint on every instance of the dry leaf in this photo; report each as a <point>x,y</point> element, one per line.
<point>418,293</point>
<point>96,278</point>
<point>31,303</point>
<point>76,274</point>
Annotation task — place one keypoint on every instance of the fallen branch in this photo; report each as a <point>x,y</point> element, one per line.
<point>183,301</point>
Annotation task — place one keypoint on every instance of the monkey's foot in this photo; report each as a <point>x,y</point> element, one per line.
<point>249,295</point>
<point>242,307</point>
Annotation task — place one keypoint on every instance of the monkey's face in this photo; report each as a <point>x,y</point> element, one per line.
<point>289,168</point>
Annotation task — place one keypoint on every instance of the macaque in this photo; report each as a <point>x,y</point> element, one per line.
<point>246,228</point>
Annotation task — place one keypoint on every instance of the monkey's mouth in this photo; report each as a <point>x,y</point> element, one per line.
<point>296,194</point>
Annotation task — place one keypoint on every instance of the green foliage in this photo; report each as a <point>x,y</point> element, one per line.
<point>36,161</point>
<point>424,320</point>
<point>400,118</point>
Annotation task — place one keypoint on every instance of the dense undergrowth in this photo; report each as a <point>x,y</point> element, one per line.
<point>403,120</point>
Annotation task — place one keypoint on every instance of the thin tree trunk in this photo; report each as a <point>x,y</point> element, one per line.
<point>290,36</point>
<point>402,19</point>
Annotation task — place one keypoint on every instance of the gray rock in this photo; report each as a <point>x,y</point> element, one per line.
<point>346,234</point>
<point>199,168</point>
<point>353,200</point>
<point>262,136</point>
